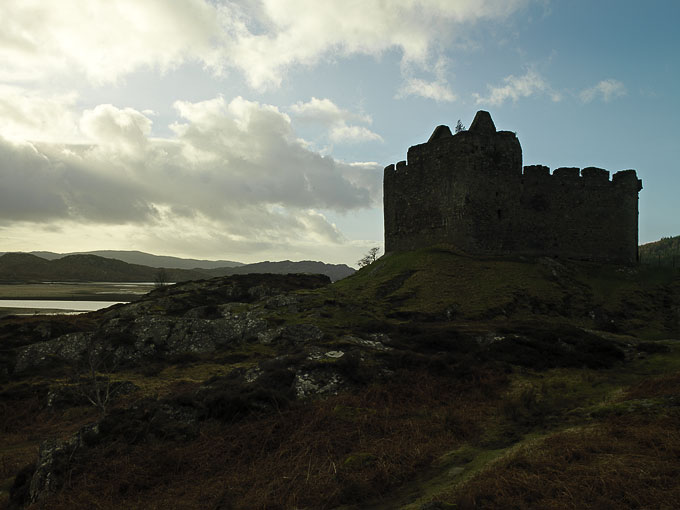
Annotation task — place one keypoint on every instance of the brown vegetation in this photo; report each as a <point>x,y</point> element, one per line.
<point>474,383</point>
<point>624,462</point>
<point>342,450</point>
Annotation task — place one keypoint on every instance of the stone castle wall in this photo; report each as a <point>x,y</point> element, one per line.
<point>470,190</point>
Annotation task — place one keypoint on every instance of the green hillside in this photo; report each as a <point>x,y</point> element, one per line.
<point>664,252</point>
<point>440,284</point>
<point>427,380</point>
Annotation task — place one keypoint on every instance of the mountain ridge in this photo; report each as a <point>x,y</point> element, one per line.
<point>146,259</point>
<point>24,267</point>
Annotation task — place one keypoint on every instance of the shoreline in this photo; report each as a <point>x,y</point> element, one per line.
<point>82,291</point>
<point>52,298</point>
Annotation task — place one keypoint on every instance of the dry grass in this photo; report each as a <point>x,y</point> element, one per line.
<point>624,462</point>
<point>24,423</point>
<point>663,386</point>
<point>342,450</point>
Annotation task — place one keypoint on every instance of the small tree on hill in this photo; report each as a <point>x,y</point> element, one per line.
<point>91,377</point>
<point>160,280</point>
<point>369,257</point>
<point>460,126</point>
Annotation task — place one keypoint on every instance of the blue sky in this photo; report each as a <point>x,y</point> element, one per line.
<point>259,130</point>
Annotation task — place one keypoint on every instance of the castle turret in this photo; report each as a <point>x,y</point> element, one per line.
<point>468,189</point>
<point>440,132</point>
<point>483,124</point>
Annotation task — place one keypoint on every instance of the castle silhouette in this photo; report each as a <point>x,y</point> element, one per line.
<point>469,189</point>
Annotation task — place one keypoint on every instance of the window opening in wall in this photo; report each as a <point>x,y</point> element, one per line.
<point>500,215</point>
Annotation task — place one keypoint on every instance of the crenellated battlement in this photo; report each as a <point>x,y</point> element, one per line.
<point>589,176</point>
<point>471,190</point>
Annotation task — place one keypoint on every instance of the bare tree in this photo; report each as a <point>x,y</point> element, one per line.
<point>460,126</point>
<point>92,378</point>
<point>161,278</point>
<point>370,257</point>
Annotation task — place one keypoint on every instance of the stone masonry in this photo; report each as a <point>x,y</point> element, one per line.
<point>470,190</point>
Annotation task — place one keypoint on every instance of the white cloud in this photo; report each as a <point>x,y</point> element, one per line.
<point>606,90</point>
<point>31,115</point>
<point>102,39</point>
<point>48,182</point>
<point>300,32</point>
<point>336,120</point>
<point>326,111</point>
<point>106,39</point>
<point>124,129</point>
<point>437,89</point>
<point>234,173</point>
<point>516,87</point>
<point>354,134</point>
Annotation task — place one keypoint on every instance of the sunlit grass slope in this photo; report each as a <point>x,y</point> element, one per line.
<point>441,284</point>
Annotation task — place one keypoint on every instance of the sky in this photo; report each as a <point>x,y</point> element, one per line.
<point>259,130</point>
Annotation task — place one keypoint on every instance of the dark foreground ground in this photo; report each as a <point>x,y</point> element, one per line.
<point>427,380</point>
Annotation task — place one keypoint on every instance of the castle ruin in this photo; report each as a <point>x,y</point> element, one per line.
<point>469,189</point>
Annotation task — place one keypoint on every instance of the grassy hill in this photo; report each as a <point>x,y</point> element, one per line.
<point>427,380</point>
<point>664,252</point>
<point>440,284</point>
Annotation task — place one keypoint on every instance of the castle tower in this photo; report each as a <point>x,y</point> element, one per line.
<point>469,190</point>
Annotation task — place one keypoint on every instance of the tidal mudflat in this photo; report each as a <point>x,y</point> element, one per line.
<point>65,297</point>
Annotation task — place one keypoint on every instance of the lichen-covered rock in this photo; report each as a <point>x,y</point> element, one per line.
<point>68,348</point>
<point>289,301</point>
<point>53,460</point>
<point>192,317</point>
<point>128,341</point>
<point>300,334</point>
<point>319,381</point>
<point>183,297</point>
<point>269,335</point>
<point>168,420</point>
<point>374,341</point>
<point>160,335</point>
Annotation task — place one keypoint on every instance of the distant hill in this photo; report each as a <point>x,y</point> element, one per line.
<point>25,267</point>
<point>664,252</point>
<point>145,259</point>
<point>28,267</point>
<point>333,271</point>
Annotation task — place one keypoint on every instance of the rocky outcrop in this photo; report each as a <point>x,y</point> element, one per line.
<point>320,381</point>
<point>166,420</point>
<point>53,462</point>
<point>193,317</point>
